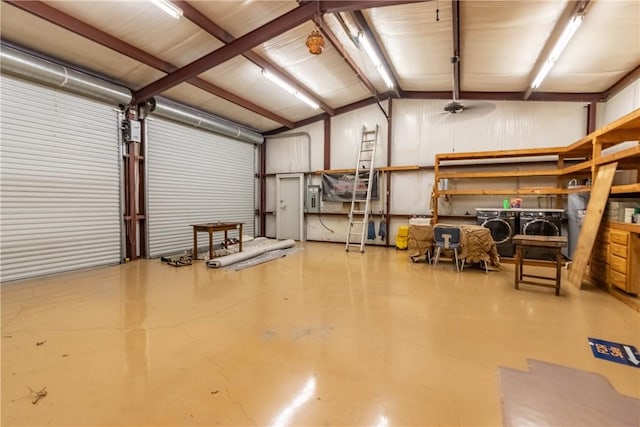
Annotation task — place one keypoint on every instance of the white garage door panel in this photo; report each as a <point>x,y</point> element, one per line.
<point>195,176</point>
<point>60,190</point>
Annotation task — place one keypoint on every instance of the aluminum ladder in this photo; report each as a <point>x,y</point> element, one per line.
<point>363,175</point>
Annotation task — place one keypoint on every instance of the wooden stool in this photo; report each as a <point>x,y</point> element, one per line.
<point>553,243</point>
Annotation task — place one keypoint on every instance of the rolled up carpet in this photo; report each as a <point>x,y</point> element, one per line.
<point>248,253</point>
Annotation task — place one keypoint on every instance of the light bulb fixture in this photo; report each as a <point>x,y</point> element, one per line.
<point>375,59</point>
<point>286,86</point>
<point>562,42</point>
<point>168,8</point>
<point>315,42</point>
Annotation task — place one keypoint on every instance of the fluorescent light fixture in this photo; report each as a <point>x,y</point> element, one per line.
<point>286,86</point>
<point>168,7</point>
<point>562,42</point>
<point>375,59</point>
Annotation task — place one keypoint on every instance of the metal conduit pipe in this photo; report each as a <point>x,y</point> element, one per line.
<point>183,114</point>
<point>38,70</point>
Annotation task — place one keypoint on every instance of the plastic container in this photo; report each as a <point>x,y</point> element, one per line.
<point>402,238</point>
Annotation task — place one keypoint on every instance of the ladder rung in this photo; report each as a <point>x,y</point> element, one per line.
<point>354,244</point>
<point>359,200</point>
<point>369,131</point>
<point>357,222</point>
<point>365,150</point>
<point>359,212</point>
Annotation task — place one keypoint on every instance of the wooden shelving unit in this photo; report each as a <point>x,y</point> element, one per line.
<point>587,151</point>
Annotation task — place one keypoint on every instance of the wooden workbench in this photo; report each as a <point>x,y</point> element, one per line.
<point>552,243</point>
<point>211,228</point>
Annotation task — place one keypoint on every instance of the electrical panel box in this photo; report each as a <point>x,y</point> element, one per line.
<point>132,131</point>
<point>136,135</point>
<point>313,198</point>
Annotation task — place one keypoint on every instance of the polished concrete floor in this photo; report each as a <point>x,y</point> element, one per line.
<point>322,337</point>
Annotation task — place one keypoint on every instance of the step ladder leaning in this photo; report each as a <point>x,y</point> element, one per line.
<point>364,175</point>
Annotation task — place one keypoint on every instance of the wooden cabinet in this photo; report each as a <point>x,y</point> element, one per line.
<point>615,260</point>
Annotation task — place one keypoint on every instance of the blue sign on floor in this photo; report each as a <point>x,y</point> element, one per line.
<point>614,352</point>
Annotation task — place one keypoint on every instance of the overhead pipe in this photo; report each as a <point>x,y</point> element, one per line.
<point>174,111</point>
<point>26,66</point>
<point>29,67</point>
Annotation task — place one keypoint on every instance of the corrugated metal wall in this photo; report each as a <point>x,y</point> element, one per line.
<point>195,176</point>
<point>60,194</point>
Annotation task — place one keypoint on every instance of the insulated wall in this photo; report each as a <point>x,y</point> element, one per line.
<point>60,199</point>
<point>195,176</point>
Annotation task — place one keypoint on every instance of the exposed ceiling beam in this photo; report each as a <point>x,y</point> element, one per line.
<point>362,22</point>
<point>237,47</point>
<point>335,42</point>
<point>195,16</point>
<point>69,23</point>
<point>344,5</point>
<point>508,96</point>
<point>455,21</point>
<point>625,81</point>
<point>344,109</point>
<point>572,7</point>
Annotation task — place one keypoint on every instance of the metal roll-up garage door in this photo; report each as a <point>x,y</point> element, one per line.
<point>195,176</point>
<point>60,171</point>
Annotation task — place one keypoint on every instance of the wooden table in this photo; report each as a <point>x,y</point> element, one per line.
<point>552,243</point>
<point>211,228</point>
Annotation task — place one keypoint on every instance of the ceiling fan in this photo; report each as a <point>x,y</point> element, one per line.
<point>455,106</point>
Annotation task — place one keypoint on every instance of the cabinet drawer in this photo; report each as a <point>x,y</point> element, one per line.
<point>618,250</point>
<point>618,264</point>
<point>618,279</point>
<point>619,237</point>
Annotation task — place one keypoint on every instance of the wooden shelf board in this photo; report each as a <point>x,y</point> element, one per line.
<point>399,168</point>
<point>627,188</point>
<point>507,191</point>
<point>500,174</point>
<point>527,152</point>
<point>383,169</point>
<point>579,189</point>
<point>619,155</point>
<point>582,166</point>
<point>606,134</point>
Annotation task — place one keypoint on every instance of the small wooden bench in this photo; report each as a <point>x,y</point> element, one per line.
<point>552,243</point>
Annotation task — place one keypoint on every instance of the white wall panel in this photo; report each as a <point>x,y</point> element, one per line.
<point>622,103</point>
<point>411,192</point>
<point>60,173</point>
<point>346,135</point>
<point>195,176</point>
<point>421,129</point>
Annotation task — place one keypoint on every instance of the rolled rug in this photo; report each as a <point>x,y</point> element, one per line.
<point>250,253</point>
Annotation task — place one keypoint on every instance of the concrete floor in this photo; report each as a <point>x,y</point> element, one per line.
<point>322,337</point>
